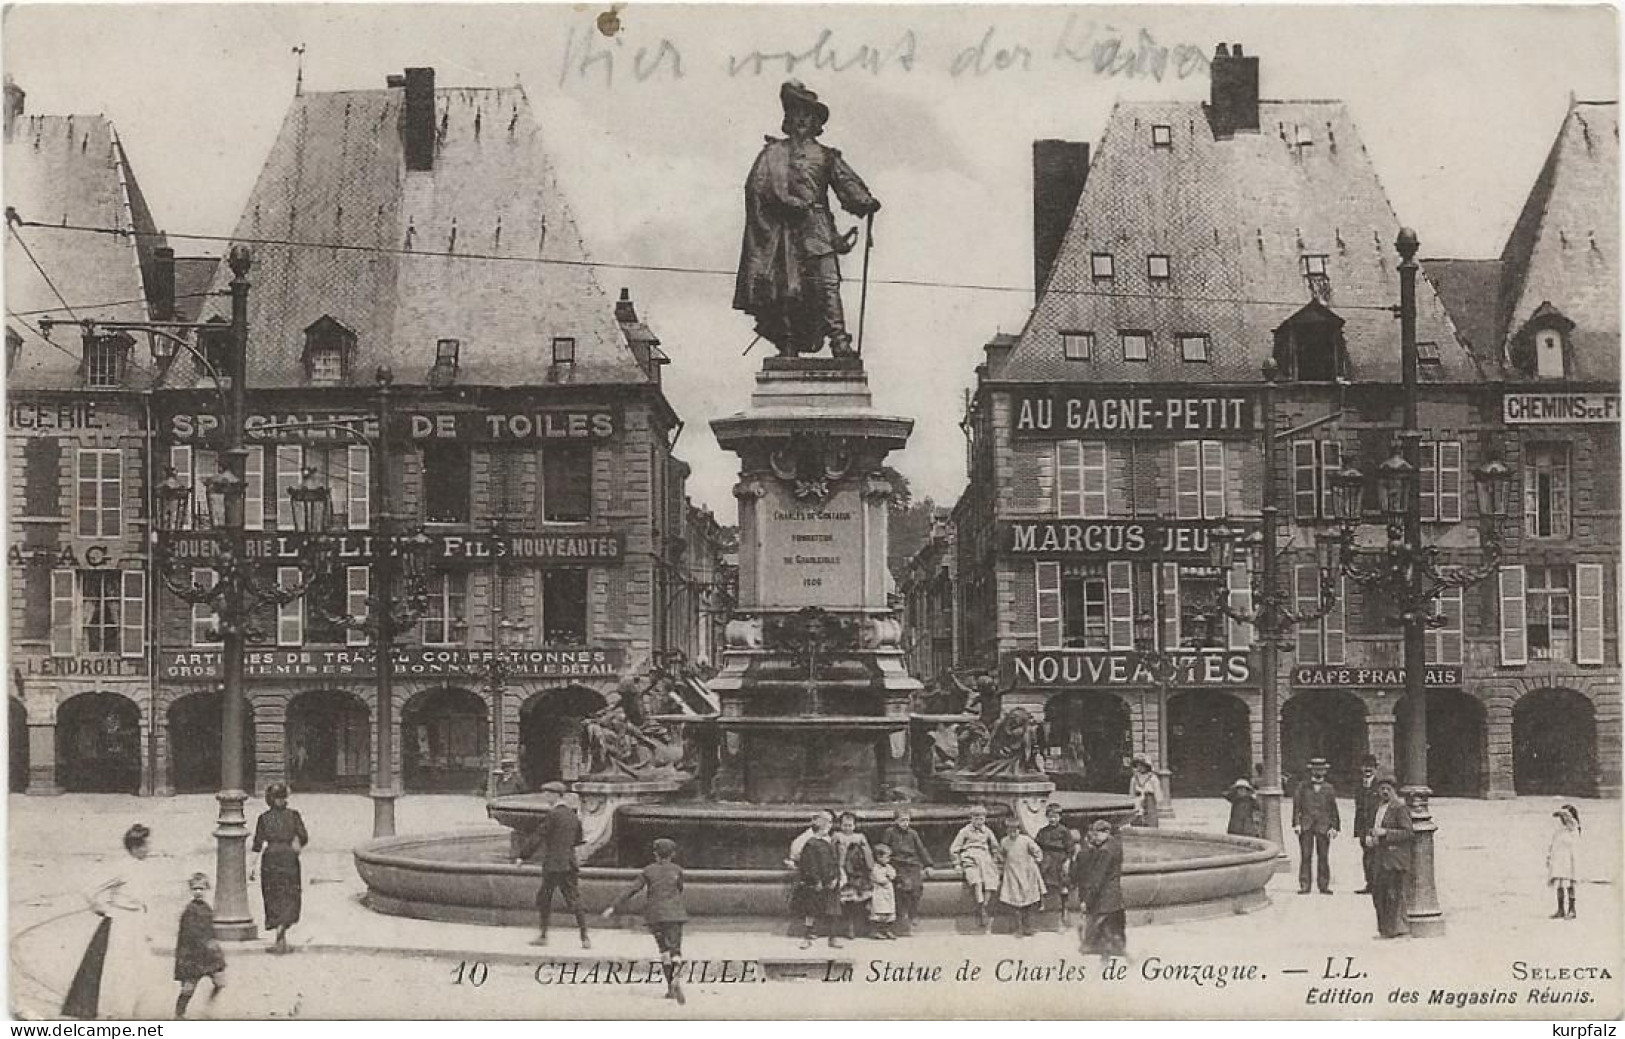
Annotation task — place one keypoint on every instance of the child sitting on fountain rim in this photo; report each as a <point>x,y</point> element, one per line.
<point>976,851</point>
<point>663,910</point>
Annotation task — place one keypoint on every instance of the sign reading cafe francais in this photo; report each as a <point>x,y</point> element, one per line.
<point>1077,411</point>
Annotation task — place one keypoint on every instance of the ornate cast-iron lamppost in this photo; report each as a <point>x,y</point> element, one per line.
<point>1409,574</point>
<point>238,589</point>
<point>397,596</point>
<point>1162,663</point>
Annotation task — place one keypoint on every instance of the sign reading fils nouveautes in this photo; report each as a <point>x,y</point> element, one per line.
<point>1090,413</point>
<point>556,548</point>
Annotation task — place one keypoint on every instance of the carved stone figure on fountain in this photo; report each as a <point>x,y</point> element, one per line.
<point>617,749</point>
<point>1011,748</point>
<point>789,276</point>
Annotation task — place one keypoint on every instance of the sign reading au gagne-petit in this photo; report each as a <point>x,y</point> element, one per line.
<point>1076,411</point>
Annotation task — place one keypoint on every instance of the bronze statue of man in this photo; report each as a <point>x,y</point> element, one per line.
<point>789,268</point>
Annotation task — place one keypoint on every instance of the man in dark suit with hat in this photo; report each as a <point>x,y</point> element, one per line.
<point>1316,821</point>
<point>789,275</point>
<point>1367,800</point>
<point>555,842</point>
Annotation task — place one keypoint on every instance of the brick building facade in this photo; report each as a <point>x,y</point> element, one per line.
<point>1121,427</point>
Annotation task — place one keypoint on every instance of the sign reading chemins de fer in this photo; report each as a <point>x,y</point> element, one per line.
<point>574,548</point>
<point>1559,408</point>
<point>1070,667</point>
<point>1107,538</point>
<point>1078,411</point>
<point>413,661</point>
<point>1334,676</point>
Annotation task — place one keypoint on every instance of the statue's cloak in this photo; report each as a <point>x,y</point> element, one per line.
<point>769,277</point>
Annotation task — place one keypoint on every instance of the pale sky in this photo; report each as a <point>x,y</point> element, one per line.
<point>1457,106</point>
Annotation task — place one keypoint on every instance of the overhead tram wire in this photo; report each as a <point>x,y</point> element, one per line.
<point>109,303</point>
<point>674,269</point>
<point>12,222</point>
<point>41,336</point>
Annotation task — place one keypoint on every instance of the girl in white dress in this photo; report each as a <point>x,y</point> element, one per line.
<point>1561,854</point>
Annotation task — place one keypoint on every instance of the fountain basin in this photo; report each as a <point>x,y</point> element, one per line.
<point>469,877</point>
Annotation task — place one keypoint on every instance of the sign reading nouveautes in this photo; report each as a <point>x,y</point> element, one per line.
<point>1063,667</point>
<point>1069,411</point>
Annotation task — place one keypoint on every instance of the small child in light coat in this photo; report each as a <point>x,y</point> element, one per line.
<point>883,897</point>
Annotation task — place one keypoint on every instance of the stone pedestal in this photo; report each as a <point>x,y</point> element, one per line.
<point>1024,797</point>
<point>813,688</point>
<point>600,799</point>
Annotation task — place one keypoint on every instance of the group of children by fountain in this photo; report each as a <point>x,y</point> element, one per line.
<point>845,885</point>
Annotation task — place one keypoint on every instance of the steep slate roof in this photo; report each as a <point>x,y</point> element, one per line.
<point>1470,290</point>
<point>1564,247</point>
<point>193,276</point>
<point>337,174</point>
<point>1235,216</point>
<point>73,170</point>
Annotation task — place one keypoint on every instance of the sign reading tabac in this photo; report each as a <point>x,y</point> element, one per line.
<point>1068,667</point>
<point>1068,411</point>
<point>1107,539</point>
<point>1559,408</point>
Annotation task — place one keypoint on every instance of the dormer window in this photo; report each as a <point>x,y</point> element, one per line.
<point>564,350</point>
<point>1541,348</point>
<point>1136,346</point>
<point>1162,136</point>
<point>104,360</point>
<point>214,346</point>
<point>1157,267</point>
<point>1100,266</point>
<point>329,346</point>
<point>1077,346</point>
<point>1549,354</point>
<point>1309,345</point>
<point>1314,266</point>
<point>446,352</point>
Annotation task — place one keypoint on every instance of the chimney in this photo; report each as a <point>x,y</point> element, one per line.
<point>1059,171</point>
<point>162,293</point>
<point>997,351</point>
<point>1234,103</point>
<point>15,97</point>
<point>417,119</point>
<point>625,312</point>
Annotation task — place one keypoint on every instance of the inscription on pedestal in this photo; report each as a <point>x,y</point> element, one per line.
<point>812,552</point>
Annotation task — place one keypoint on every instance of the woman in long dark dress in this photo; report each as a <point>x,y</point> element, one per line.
<point>279,836</point>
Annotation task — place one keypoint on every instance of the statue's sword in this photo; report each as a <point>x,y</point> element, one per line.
<point>863,296</point>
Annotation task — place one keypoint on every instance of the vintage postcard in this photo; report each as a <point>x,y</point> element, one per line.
<point>656,511</point>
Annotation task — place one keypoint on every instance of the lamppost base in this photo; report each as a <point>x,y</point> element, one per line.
<point>232,920</point>
<point>1269,799</point>
<point>1165,805</point>
<point>383,813</point>
<point>1422,910</point>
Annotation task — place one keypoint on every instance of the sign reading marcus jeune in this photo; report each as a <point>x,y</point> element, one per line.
<point>1079,411</point>
<point>1151,539</point>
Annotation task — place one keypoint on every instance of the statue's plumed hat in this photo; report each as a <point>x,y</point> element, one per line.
<point>793,95</point>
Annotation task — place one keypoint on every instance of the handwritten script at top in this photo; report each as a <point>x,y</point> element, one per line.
<point>589,58</point>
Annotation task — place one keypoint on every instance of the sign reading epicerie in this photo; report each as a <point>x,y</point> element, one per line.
<point>812,554</point>
<point>1066,667</point>
<point>1083,412</point>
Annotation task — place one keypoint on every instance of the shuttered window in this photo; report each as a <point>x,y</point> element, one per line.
<point>290,616</point>
<point>254,492</point>
<point>1441,480</point>
<point>1514,630</point>
<point>180,460</point>
<point>1068,478</point>
<point>1331,460</point>
<point>1305,479</point>
<point>1120,604</point>
<point>358,487</point>
<point>357,584</point>
<point>1334,626</point>
<point>1306,597</point>
<point>1241,602</point>
<point>64,613</point>
<point>1588,618</point>
<point>1444,644</point>
<point>1188,479</point>
<point>1168,577</point>
<point>205,622</point>
<point>1212,479</point>
<point>1048,586</point>
<point>133,613</point>
<point>290,458</point>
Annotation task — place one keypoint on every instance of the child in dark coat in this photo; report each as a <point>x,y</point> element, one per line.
<point>197,954</point>
<point>663,910</point>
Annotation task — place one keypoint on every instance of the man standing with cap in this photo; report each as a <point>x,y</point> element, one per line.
<point>1316,822</point>
<point>789,273</point>
<point>1367,802</point>
<point>556,840</point>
